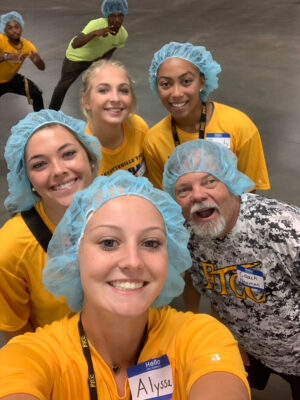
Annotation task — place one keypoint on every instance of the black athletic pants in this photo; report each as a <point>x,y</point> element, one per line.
<point>17,85</point>
<point>258,376</point>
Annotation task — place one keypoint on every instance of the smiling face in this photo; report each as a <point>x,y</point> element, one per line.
<point>207,203</point>
<point>109,98</point>
<point>178,84</point>
<point>116,20</point>
<point>123,257</point>
<point>13,31</point>
<point>57,166</point>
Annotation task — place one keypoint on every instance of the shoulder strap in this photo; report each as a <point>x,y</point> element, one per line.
<point>37,226</point>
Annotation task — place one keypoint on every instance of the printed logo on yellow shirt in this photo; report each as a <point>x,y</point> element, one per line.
<point>228,281</point>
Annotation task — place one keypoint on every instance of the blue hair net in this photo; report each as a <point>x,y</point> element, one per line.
<point>197,55</point>
<point>114,6</point>
<point>205,156</point>
<point>20,196</point>
<point>10,16</point>
<point>61,274</point>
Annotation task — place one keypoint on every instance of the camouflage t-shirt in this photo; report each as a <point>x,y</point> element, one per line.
<point>252,277</point>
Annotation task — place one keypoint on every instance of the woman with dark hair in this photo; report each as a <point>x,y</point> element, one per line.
<point>184,75</point>
<point>49,158</point>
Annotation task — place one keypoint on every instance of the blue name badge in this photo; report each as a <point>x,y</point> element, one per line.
<point>250,277</point>
<point>222,138</point>
<point>151,379</point>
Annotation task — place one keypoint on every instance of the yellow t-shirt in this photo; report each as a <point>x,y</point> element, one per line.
<point>228,126</point>
<point>49,364</point>
<point>8,69</point>
<point>22,295</point>
<point>129,156</point>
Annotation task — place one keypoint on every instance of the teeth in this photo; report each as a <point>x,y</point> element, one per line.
<point>115,109</point>
<point>64,185</point>
<point>178,104</point>
<point>127,285</point>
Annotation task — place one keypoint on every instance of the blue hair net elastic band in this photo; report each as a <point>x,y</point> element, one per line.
<point>205,156</point>
<point>20,196</point>
<point>10,16</point>
<point>61,275</point>
<point>114,6</point>
<point>197,55</point>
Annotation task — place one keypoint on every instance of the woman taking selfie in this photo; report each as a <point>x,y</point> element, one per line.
<point>49,158</point>
<point>108,99</point>
<point>118,270</point>
<point>184,75</point>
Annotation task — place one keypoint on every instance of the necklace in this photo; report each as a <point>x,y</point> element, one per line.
<point>201,126</point>
<point>87,354</point>
<point>18,47</point>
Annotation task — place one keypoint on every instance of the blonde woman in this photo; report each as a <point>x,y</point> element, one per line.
<point>108,99</point>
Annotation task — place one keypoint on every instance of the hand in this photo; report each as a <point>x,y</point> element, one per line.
<point>16,58</point>
<point>244,356</point>
<point>34,57</point>
<point>105,31</point>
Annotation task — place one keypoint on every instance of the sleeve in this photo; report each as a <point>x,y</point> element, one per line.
<point>251,160</point>
<point>29,47</point>
<point>207,346</point>
<point>26,367</point>
<point>154,169</point>
<point>94,24</point>
<point>123,37</point>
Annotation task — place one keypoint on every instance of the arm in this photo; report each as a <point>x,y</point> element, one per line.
<point>190,295</point>
<point>82,39</point>
<point>37,61</point>
<point>219,385</point>
<point>15,58</point>
<point>9,335</point>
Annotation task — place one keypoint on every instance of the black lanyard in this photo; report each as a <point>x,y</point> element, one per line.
<point>201,127</point>
<point>87,354</point>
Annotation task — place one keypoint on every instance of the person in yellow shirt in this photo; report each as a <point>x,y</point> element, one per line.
<point>184,75</point>
<point>14,49</point>
<point>107,99</point>
<point>118,256</point>
<point>49,158</point>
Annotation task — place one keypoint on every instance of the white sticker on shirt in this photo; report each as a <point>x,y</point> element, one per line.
<point>250,277</point>
<point>141,169</point>
<point>151,379</point>
<point>222,138</point>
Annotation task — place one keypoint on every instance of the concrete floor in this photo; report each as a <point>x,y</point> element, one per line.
<point>256,42</point>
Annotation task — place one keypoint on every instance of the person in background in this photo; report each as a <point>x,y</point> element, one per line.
<point>184,75</point>
<point>98,40</point>
<point>107,100</point>
<point>246,258</point>
<point>49,158</point>
<point>14,49</point>
<point>118,255</point>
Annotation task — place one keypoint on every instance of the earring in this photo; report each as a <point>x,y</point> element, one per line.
<point>201,90</point>
<point>33,189</point>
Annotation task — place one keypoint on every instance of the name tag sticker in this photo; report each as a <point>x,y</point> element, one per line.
<point>151,379</point>
<point>250,277</point>
<point>141,168</point>
<point>222,138</point>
